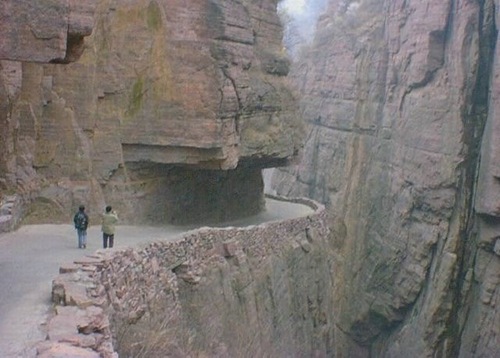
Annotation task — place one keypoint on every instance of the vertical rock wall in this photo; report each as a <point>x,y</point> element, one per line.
<point>44,30</point>
<point>32,31</point>
<point>397,96</point>
<point>161,85</point>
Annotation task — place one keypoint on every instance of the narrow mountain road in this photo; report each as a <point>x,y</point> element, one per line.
<point>31,256</point>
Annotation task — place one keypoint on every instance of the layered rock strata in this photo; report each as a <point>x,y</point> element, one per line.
<point>45,30</point>
<point>32,31</point>
<point>400,100</point>
<point>170,102</point>
<point>262,291</point>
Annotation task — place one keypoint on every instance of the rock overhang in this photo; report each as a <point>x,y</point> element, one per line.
<point>45,31</point>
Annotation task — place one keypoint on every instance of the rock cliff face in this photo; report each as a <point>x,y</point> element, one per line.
<point>44,30</point>
<point>169,114</point>
<point>32,31</point>
<point>401,100</point>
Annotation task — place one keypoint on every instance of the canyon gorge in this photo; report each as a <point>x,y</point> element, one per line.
<point>386,121</point>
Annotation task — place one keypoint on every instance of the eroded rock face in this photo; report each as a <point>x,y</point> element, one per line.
<point>44,30</point>
<point>160,85</point>
<point>32,31</point>
<point>397,106</point>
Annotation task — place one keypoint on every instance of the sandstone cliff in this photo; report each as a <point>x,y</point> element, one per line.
<point>45,30</point>
<point>401,101</point>
<point>169,114</point>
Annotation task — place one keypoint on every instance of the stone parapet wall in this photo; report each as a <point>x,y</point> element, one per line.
<point>208,291</point>
<point>10,212</point>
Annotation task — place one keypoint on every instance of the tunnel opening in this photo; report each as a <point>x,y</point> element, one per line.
<point>159,194</point>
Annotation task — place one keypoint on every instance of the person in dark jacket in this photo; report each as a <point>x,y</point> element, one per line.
<point>81,221</point>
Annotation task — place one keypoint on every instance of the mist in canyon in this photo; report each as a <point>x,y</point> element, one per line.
<point>299,19</point>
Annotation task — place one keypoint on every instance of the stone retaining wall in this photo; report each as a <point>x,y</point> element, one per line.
<point>193,294</point>
<point>10,212</point>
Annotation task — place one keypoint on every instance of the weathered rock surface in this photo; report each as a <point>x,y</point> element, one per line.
<point>44,30</point>
<point>171,102</point>
<point>400,122</point>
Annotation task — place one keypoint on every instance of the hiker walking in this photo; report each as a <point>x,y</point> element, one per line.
<point>109,219</point>
<point>81,221</point>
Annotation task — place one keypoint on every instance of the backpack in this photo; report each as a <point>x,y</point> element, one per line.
<point>81,221</point>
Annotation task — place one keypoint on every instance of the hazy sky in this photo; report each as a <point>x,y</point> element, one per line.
<point>294,7</point>
<point>300,24</point>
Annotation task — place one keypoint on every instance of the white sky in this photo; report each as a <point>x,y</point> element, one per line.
<point>294,7</point>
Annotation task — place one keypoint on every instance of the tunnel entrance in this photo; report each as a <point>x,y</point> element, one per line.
<point>159,194</point>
